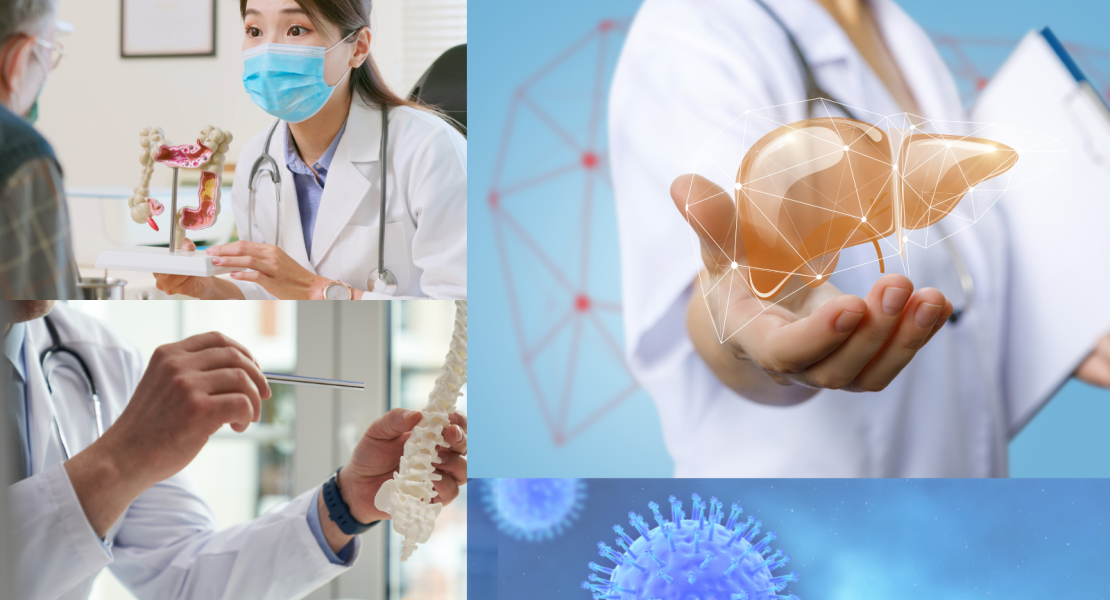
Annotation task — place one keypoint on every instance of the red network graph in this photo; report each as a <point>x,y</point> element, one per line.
<point>971,59</point>
<point>580,308</point>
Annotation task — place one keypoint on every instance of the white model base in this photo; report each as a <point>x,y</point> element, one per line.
<point>146,259</point>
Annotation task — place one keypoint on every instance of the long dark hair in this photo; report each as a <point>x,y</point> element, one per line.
<point>367,84</point>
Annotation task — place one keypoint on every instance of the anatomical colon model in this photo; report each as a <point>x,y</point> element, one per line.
<point>208,155</point>
<point>407,498</point>
<point>807,190</point>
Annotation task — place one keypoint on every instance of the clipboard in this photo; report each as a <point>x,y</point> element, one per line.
<point>1059,223</point>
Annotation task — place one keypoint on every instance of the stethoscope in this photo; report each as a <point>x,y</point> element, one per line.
<point>814,91</point>
<point>56,348</point>
<point>381,280</point>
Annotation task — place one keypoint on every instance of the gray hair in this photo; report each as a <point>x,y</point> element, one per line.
<point>23,16</point>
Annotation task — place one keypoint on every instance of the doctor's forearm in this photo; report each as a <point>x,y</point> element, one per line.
<point>740,374</point>
<point>104,486</point>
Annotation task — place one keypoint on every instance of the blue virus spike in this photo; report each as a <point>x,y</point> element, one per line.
<point>640,524</point>
<point>626,548</point>
<point>754,531</point>
<point>736,510</point>
<point>533,510</point>
<point>767,539</point>
<point>739,533</point>
<point>707,560</point>
<point>604,550</point>
<point>668,532</point>
<point>600,569</point>
<point>696,506</point>
<point>768,562</point>
<point>784,579</point>
<point>779,563</point>
<point>732,567</point>
<point>620,531</point>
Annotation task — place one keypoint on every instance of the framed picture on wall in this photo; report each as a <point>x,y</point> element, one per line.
<point>160,29</point>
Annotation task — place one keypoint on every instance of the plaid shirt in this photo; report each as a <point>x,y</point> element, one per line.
<point>35,254</point>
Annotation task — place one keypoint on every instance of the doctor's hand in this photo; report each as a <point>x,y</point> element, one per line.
<point>205,288</point>
<point>273,269</point>
<point>813,338</point>
<point>378,455</point>
<point>1095,369</point>
<point>189,390</point>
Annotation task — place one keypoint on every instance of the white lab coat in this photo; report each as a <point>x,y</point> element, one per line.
<point>425,231</point>
<point>166,545</point>
<point>686,71</point>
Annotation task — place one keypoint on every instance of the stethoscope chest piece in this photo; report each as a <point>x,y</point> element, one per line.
<point>385,283</point>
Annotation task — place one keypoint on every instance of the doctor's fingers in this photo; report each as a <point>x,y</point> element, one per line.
<point>925,314</point>
<point>453,466</point>
<point>213,339</point>
<point>234,409</point>
<point>455,436</point>
<point>780,346</point>
<point>885,303</point>
<point>458,418</point>
<point>711,213</point>
<point>231,381</point>
<point>231,357</point>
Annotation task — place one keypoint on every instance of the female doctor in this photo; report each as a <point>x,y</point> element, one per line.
<point>307,62</point>
<point>783,396</point>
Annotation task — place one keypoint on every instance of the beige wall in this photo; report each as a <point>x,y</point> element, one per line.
<point>95,102</point>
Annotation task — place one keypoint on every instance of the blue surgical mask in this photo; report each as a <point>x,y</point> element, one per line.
<point>287,80</point>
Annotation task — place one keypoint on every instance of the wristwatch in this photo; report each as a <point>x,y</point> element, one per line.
<point>337,290</point>
<point>338,510</point>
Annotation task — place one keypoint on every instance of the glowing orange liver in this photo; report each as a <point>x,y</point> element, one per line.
<point>809,189</point>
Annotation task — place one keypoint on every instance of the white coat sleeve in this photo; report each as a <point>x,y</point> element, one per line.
<point>667,100</point>
<point>52,536</point>
<point>435,181</point>
<point>168,548</point>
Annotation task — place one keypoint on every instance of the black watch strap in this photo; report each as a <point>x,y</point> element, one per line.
<point>338,510</point>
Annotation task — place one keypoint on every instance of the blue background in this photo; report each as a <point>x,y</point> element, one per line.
<point>850,539</point>
<point>511,41</point>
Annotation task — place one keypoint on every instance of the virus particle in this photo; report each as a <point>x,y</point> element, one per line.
<point>691,559</point>
<point>533,510</point>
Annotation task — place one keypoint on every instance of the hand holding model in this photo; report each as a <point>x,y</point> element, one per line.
<point>189,390</point>
<point>817,337</point>
<point>270,266</point>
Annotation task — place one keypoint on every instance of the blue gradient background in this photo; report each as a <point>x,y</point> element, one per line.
<point>849,539</point>
<point>511,40</point>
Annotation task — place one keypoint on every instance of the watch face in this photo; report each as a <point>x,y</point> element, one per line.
<point>337,291</point>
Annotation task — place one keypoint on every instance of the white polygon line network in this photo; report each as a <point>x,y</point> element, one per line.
<point>723,278</point>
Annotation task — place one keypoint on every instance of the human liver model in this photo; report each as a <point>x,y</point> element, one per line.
<point>208,155</point>
<point>809,189</point>
<point>407,498</point>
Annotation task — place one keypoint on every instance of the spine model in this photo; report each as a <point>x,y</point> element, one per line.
<point>408,496</point>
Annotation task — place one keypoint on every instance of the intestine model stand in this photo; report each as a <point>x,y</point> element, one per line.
<point>208,155</point>
<point>408,496</point>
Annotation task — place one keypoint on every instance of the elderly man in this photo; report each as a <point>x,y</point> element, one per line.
<point>35,256</point>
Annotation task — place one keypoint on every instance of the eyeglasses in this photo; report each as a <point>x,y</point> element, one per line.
<point>56,51</point>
